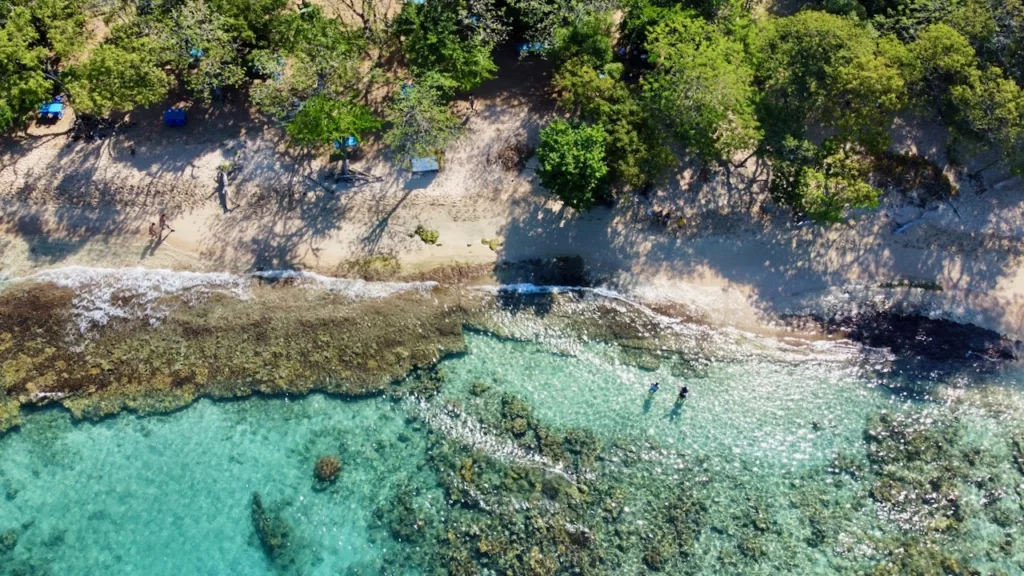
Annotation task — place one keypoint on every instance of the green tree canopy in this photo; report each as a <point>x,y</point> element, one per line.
<point>23,84</point>
<point>820,68</point>
<point>420,122</point>
<point>572,163</point>
<point>323,120</point>
<point>60,23</point>
<point>204,50</point>
<point>113,79</point>
<point>587,40</point>
<point>821,184</point>
<point>445,37</point>
<point>702,86</point>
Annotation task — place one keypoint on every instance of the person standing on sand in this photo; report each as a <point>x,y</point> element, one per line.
<point>153,233</point>
<point>164,224</point>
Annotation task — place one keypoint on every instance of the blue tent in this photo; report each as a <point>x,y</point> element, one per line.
<point>531,48</point>
<point>347,143</point>
<point>175,117</point>
<point>51,111</point>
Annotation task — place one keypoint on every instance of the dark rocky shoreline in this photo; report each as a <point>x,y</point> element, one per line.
<point>917,336</point>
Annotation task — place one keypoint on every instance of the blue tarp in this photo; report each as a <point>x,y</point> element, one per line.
<point>348,142</point>
<point>175,117</point>
<point>531,47</point>
<point>425,164</point>
<point>54,110</point>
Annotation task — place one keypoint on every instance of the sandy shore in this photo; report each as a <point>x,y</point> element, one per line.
<point>733,259</point>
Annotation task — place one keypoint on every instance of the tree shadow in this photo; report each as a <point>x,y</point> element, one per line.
<point>722,228</point>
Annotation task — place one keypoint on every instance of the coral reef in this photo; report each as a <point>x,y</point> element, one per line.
<point>327,469</point>
<point>283,340</point>
<point>8,541</point>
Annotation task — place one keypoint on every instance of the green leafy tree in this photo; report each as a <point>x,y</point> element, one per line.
<point>702,87</point>
<point>113,79</point>
<point>539,19</point>
<point>822,185</point>
<point>636,148</point>
<point>205,51</point>
<point>23,85</point>
<point>587,40</point>
<point>820,68</point>
<point>60,23</point>
<point>945,58</point>
<point>421,123</point>
<point>309,54</point>
<point>250,22</point>
<point>992,107</point>
<point>444,37</point>
<point>572,164</point>
<point>838,186</point>
<point>290,81</point>
<point>323,120</point>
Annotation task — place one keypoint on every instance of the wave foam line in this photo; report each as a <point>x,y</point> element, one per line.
<point>352,288</point>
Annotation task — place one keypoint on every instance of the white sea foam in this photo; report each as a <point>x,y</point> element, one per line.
<point>104,294</point>
<point>357,289</point>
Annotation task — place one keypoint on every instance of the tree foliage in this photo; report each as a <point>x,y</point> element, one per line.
<point>114,79</point>
<point>702,86</point>
<point>572,164</point>
<point>819,68</point>
<point>446,37</point>
<point>323,120</point>
<point>590,86</point>
<point>821,184</point>
<point>23,84</point>
<point>420,122</point>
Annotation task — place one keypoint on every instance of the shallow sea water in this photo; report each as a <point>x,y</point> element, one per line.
<point>172,494</point>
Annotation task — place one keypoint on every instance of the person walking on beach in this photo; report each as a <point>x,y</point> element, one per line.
<point>153,232</point>
<point>164,225</point>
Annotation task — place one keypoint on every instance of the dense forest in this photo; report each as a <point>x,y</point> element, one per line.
<point>639,83</point>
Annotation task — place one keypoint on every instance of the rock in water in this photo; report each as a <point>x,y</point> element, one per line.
<point>8,540</point>
<point>271,530</point>
<point>327,469</point>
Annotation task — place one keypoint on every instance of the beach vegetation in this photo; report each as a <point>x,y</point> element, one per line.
<point>114,79</point>
<point>701,86</point>
<point>420,122</point>
<point>572,163</point>
<point>427,235</point>
<point>813,97</point>
<point>455,38</point>
<point>322,120</point>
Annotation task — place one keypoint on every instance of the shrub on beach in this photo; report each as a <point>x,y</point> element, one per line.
<point>427,235</point>
<point>572,164</point>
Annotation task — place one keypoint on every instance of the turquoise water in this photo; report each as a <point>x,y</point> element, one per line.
<point>751,414</point>
<point>171,494</point>
<point>759,438</point>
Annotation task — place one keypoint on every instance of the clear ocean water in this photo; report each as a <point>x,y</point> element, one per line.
<point>172,494</point>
